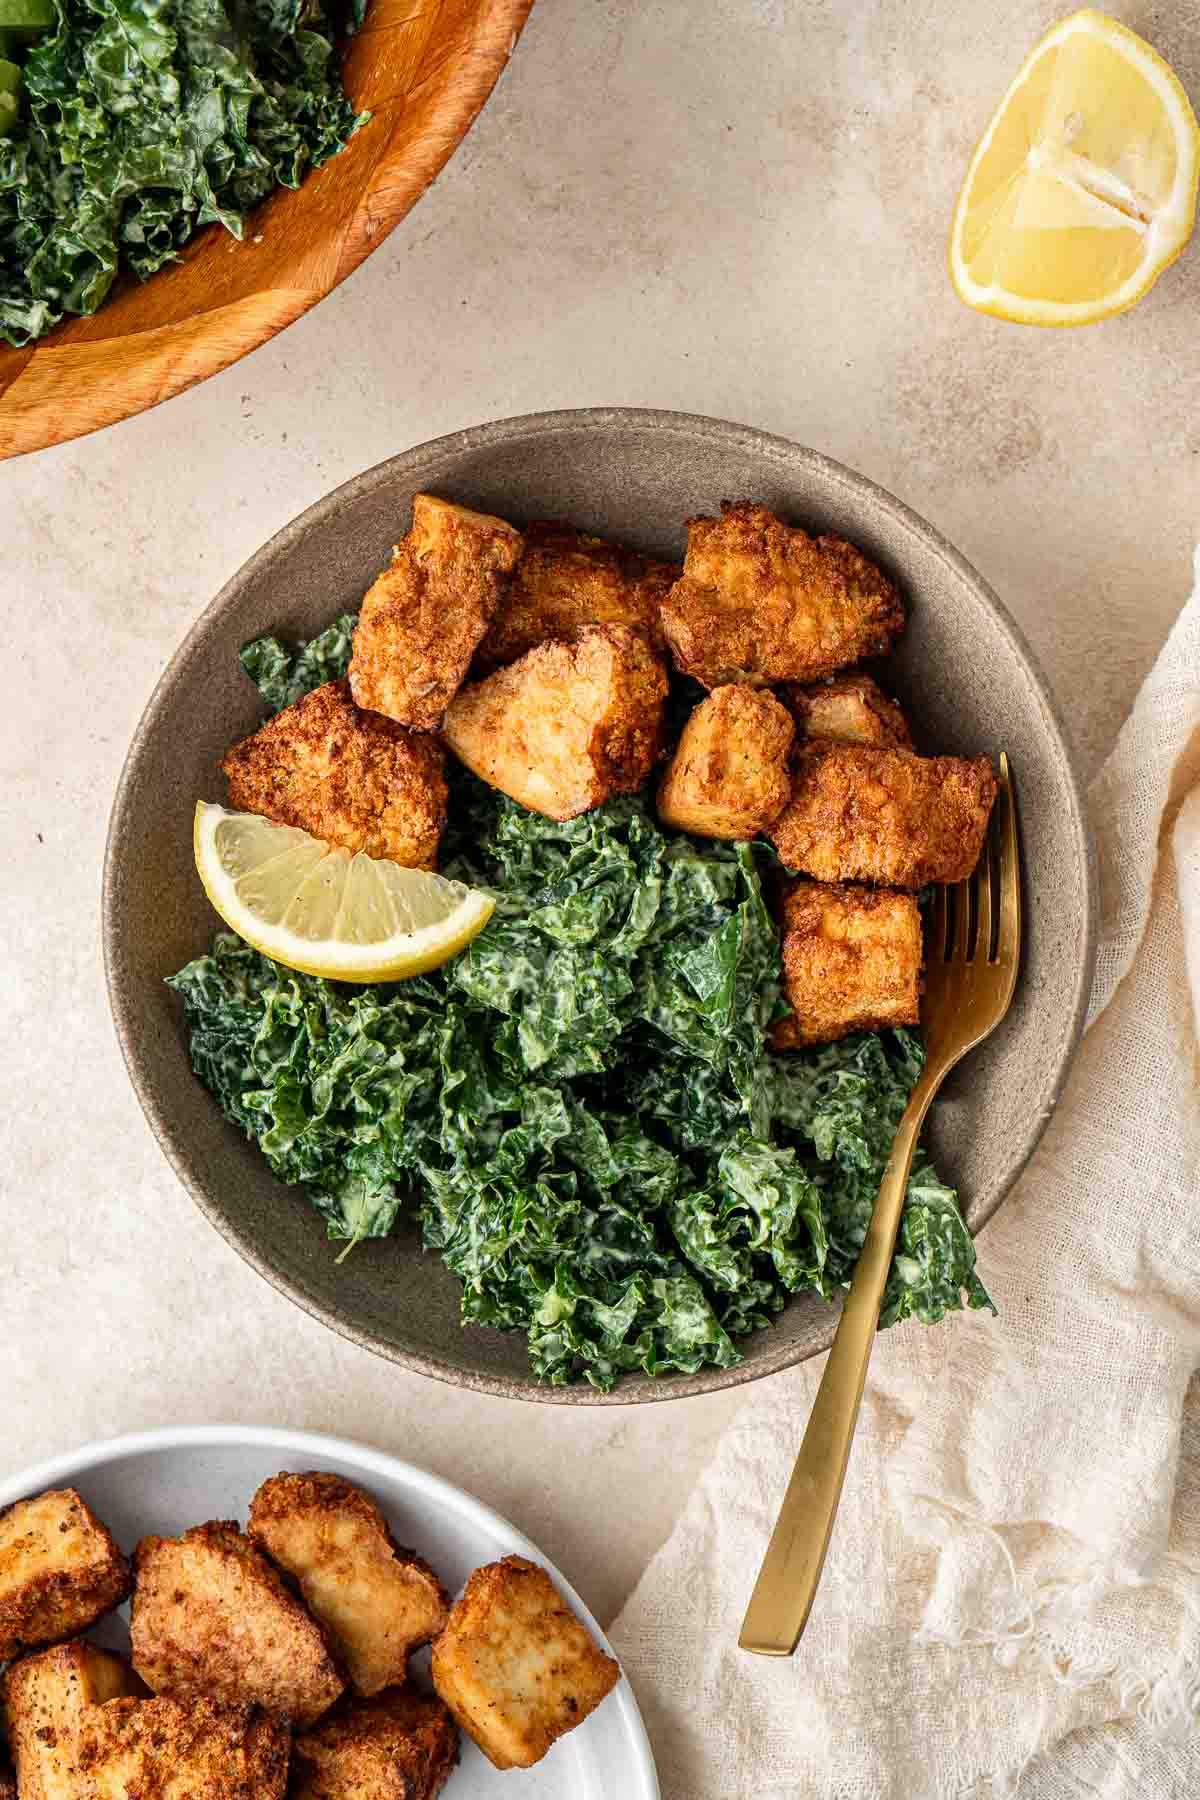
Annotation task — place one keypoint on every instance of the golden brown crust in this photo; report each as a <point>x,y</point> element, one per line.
<point>851,961</point>
<point>566,579</point>
<point>379,1602</point>
<point>402,1745</point>
<point>60,1569</point>
<point>729,776</point>
<point>569,725</point>
<point>349,777</point>
<point>515,1666</point>
<point>211,1616</point>
<point>422,620</point>
<point>46,1697</point>
<point>884,816</point>
<point>850,709</point>
<point>761,602</point>
<point>181,1750</point>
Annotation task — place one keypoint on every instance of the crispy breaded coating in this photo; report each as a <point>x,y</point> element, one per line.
<point>211,1616</point>
<point>421,621</point>
<point>181,1750</point>
<point>515,1666</point>
<point>380,1603</point>
<point>347,776</point>
<point>46,1697</point>
<point>569,725</point>
<point>760,602</point>
<point>730,774</point>
<point>566,579</point>
<point>402,1745</point>
<point>851,961</point>
<point>60,1569</point>
<point>887,816</point>
<point>851,709</point>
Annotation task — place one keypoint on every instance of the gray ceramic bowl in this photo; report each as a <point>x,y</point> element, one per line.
<point>962,670</point>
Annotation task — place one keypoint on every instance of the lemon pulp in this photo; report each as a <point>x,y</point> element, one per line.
<point>327,912</point>
<point>1083,188</point>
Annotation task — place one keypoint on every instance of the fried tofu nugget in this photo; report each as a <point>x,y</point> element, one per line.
<point>211,1616</point>
<point>60,1569</point>
<point>46,1697</point>
<point>515,1666</point>
<point>349,777</point>
<point>566,579</point>
<point>851,961</point>
<point>569,725</point>
<point>761,602</point>
<point>401,1745</point>
<point>380,1603</point>
<point>421,622</point>
<point>181,1750</point>
<point>850,709</point>
<point>886,816</point>
<point>730,775</point>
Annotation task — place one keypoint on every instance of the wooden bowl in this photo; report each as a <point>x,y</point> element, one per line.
<point>961,671</point>
<point>423,68</point>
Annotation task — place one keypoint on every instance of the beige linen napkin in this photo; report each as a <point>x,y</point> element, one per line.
<point>1012,1597</point>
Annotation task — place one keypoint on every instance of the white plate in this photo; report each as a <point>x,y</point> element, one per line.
<point>164,1481</point>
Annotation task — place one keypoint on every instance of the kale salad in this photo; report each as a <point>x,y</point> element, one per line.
<point>581,1109</point>
<point>129,124</point>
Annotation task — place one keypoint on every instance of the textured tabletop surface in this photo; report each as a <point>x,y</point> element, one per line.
<point>735,207</point>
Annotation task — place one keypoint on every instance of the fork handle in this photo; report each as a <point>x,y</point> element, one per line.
<point>787,1582</point>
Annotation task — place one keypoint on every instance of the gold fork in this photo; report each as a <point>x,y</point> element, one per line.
<point>973,948</point>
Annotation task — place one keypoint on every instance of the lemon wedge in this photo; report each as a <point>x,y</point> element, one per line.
<point>1083,187</point>
<point>320,909</point>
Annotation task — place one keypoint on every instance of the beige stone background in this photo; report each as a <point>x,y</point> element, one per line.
<point>735,207</point>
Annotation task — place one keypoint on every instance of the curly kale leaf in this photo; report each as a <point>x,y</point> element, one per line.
<point>283,675</point>
<point>934,1264</point>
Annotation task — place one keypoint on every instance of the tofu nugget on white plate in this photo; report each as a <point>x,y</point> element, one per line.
<point>45,1699</point>
<point>379,1602</point>
<point>402,1745</point>
<point>60,1569</point>
<point>181,1750</point>
<point>211,1616</point>
<point>515,1666</point>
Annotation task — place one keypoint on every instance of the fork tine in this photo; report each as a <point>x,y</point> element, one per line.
<point>1008,941</point>
<point>937,924</point>
<point>983,903</point>
<point>962,921</point>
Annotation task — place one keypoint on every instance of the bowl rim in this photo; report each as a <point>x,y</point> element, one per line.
<point>491,435</point>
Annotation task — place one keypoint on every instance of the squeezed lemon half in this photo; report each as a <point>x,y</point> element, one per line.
<point>327,912</point>
<point>1083,188</point>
